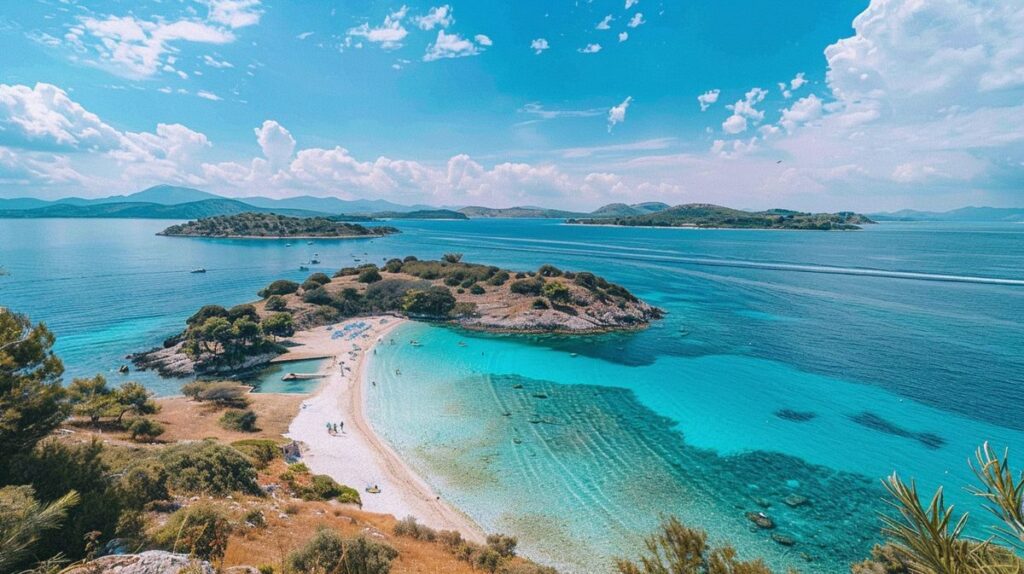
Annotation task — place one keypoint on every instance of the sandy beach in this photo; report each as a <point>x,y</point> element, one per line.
<point>356,456</point>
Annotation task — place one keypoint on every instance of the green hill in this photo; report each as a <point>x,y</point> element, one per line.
<point>269,225</point>
<point>709,215</point>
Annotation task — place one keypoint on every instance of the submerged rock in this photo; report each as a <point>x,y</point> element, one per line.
<point>761,520</point>
<point>783,539</point>
<point>795,500</point>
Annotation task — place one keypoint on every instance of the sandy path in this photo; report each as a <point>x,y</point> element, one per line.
<point>357,456</point>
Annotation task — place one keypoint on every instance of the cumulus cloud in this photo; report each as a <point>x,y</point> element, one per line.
<point>454,46</point>
<point>605,24</point>
<point>277,143</point>
<point>802,111</point>
<point>209,96</point>
<point>617,114</point>
<point>590,49</point>
<point>708,98</point>
<point>637,20</point>
<point>623,36</point>
<point>631,3</point>
<point>234,13</point>
<point>44,116</point>
<point>389,34</point>
<point>538,45</point>
<point>795,84</point>
<point>437,16</point>
<point>744,110</point>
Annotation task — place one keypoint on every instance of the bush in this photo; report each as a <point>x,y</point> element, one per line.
<point>349,495</point>
<point>549,271</point>
<point>502,544</point>
<point>527,286</point>
<point>476,289</point>
<point>409,258</point>
<point>370,275</point>
<point>556,292</point>
<point>278,325</point>
<point>320,278</point>
<point>144,429</point>
<point>328,553</point>
<point>279,287</point>
<point>432,302</point>
<point>243,420</point>
<point>540,304</point>
<point>588,280</point>
<point>209,468</point>
<point>409,528</point>
<point>276,303</point>
<point>393,266</point>
<point>321,487</point>
<point>317,296</point>
<point>499,278</point>
<point>346,272</point>
<point>143,482</point>
<point>201,530</point>
<point>256,518</point>
<point>308,285</point>
<point>243,311</point>
<point>224,394</point>
<point>206,312</point>
<point>451,257</point>
<point>260,450</point>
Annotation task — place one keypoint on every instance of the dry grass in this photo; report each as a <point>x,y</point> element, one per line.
<point>185,419</point>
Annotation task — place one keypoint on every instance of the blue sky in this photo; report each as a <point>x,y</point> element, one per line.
<point>854,105</point>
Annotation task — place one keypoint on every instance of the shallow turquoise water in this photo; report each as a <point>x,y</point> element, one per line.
<point>269,379</point>
<point>789,362</point>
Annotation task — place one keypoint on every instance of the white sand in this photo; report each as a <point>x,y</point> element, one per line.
<point>358,457</point>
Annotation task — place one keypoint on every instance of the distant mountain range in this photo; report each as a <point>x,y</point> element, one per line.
<point>173,202</point>
<point>993,214</point>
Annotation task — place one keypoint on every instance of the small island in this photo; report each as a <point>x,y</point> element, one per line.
<point>472,296</point>
<point>273,226</point>
<point>706,215</point>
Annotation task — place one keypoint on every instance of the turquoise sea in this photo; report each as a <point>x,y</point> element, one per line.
<point>789,363</point>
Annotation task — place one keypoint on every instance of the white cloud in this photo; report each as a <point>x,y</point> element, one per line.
<point>305,35</point>
<point>802,111</point>
<point>438,16</point>
<point>209,96</point>
<point>797,82</point>
<point>623,36</point>
<point>389,34</point>
<point>708,98</point>
<point>277,143</point>
<point>617,114</point>
<point>215,63</point>
<point>46,117</point>
<point>743,110</point>
<point>604,24</point>
<point>539,45</point>
<point>631,3</point>
<point>136,47</point>
<point>590,49</point>
<point>234,13</point>
<point>637,20</point>
<point>454,46</point>
<point>536,109</point>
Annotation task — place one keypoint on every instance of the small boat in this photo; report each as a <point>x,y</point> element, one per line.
<point>303,268</point>
<point>199,270</point>
<point>314,262</point>
<point>414,343</point>
<point>373,489</point>
<point>462,343</point>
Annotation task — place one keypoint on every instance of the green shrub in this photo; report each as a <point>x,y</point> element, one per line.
<point>243,420</point>
<point>278,325</point>
<point>143,482</point>
<point>527,286</point>
<point>451,257</point>
<point>321,487</point>
<point>279,287</point>
<point>320,278</point>
<point>209,468</point>
<point>499,278</point>
<point>256,518</point>
<point>432,302</point>
<point>260,450</point>
<point>309,285</point>
<point>243,311</point>
<point>299,468</point>
<point>346,272</point>
<point>549,271</point>
<point>556,292</point>
<point>476,289</point>
<point>201,530</point>
<point>328,553</point>
<point>409,528</point>
<point>317,296</point>
<point>276,303</point>
<point>393,266</point>
<point>502,544</point>
<point>540,304</point>
<point>370,275</point>
<point>349,495</point>
<point>224,394</point>
<point>145,429</point>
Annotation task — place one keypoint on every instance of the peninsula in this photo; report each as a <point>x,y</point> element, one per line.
<point>706,215</point>
<point>272,226</point>
<point>468,295</point>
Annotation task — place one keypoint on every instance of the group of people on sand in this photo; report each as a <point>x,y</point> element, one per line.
<point>335,428</point>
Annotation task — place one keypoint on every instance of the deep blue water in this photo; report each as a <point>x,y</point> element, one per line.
<point>893,343</point>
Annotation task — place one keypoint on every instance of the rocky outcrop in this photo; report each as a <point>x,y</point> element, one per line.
<point>594,318</point>
<point>149,562</point>
<point>172,362</point>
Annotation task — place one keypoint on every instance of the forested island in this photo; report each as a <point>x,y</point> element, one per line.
<point>271,225</point>
<point>473,296</point>
<point>706,215</point>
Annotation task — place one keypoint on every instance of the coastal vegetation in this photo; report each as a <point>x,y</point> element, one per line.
<point>707,215</point>
<point>270,225</point>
